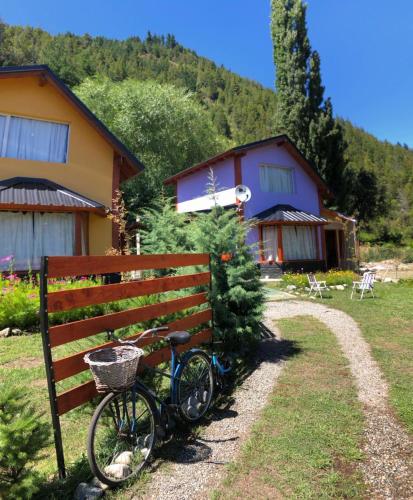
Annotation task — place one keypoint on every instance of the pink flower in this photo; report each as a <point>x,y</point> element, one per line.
<point>6,258</point>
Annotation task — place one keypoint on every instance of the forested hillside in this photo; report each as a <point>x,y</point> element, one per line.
<point>380,190</point>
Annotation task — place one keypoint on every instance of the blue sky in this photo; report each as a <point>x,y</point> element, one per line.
<point>366,46</point>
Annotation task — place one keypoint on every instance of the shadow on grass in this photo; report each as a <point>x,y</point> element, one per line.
<point>186,446</point>
<point>62,489</point>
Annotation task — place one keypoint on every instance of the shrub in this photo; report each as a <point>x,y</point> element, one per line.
<point>408,256</point>
<point>331,278</point>
<point>236,297</point>
<point>20,303</point>
<point>22,435</point>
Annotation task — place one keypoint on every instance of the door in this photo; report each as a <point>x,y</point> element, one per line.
<point>331,249</point>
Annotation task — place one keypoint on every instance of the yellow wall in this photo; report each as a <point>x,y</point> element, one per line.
<point>88,170</point>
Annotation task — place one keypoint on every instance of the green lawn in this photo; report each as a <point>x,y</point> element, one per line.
<point>306,444</point>
<point>21,365</point>
<point>387,324</point>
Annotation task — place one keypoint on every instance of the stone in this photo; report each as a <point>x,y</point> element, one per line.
<point>124,458</point>
<point>312,297</point>
<point>16,331</point>
<point>118,471</point>
<point>6,332</point>
<point>98,484</point>
<point>332,287</point>
<point>85,491</point>
<point>340,287</point>
<point>291,287</point>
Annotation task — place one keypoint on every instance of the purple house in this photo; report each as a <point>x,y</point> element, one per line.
<point>293,229</point>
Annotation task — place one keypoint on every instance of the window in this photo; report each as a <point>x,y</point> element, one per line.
<point>270,242</point>
<point>299,242</point>
<point>31,235</point>
<point>27,139</point>
<point>275,179</point>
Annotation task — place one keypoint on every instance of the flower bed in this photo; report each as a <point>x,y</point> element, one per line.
<point>20,302</point>
<point>331,278</point>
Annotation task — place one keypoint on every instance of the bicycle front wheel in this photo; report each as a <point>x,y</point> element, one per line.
<point>122,435</point>
<point>195,386</point>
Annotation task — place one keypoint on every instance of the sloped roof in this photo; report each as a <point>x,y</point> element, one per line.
<point>280,140</point>
<point>30,191</point>
<point>287,213</point>
<point>132,165</point>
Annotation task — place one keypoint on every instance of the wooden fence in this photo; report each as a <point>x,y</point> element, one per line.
<point>65,300</point>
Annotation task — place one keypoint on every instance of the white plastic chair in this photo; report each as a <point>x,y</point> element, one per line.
<point>316,286</point>
<point>365,285</point>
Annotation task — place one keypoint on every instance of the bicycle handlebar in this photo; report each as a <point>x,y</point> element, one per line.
<point>151,331</point>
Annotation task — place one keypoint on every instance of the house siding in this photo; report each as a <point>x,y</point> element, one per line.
<point>196,184</point>
<point>305,196</point>
<point>89,168</point>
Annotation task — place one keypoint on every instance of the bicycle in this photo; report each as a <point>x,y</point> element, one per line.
<point>126,425</point>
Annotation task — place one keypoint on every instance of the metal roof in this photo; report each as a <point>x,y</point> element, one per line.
<point>287,213</point>
<point>36,191</point>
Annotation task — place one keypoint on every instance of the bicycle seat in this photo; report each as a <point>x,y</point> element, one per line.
<point>177,338</point>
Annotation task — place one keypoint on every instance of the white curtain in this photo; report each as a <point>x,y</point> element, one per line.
<point>16,240</point>
<point>3,120</point>
<point>275,179</point>
<point>54,234</point>
<point>36,140</point>
<point>270,242</point>
<point>25,237</point>
<point>299,242</point>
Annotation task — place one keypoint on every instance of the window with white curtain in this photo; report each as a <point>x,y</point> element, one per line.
<point>270,242</point>
<point>28,139</point>
<point>276,179</point>
<point>299,242</point>
<point>31,235</point>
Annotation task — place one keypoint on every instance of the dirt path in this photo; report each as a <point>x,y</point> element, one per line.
<point>196,467</point>
<point>388,468</point>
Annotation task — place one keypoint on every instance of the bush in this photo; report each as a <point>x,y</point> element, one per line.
<point>387,251</point>
<point>331,278</point>
<point>22,435</point>
<point>20,303</point>
<point>236,297</point>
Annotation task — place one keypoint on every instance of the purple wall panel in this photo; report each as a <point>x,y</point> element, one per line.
<point>195,185</point>
<point>305,197</point>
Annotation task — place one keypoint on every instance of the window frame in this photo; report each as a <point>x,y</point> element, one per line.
<point>3,144</point>
<point>279,167</point>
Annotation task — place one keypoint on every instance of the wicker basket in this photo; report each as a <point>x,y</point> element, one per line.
<point>114,368</point>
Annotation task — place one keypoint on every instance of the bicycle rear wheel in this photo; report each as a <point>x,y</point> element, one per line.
<point>195,386</point>
<point>122,435</point>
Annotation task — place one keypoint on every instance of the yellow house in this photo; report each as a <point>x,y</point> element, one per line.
<point>60,168</point>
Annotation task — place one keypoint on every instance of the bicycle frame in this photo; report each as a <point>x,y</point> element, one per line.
<point>175,365</point>
<point>218,366</point>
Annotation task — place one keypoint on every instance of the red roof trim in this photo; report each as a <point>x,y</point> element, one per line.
<point>281,140</point>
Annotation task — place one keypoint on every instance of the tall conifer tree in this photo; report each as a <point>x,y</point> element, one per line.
<point>302,112</point>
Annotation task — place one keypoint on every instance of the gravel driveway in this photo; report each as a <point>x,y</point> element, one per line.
<point>198,466</point>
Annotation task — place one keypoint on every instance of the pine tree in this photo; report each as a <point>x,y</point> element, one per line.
<point>303,113</point>
<point>22,435</point>
<point>291,53</point>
